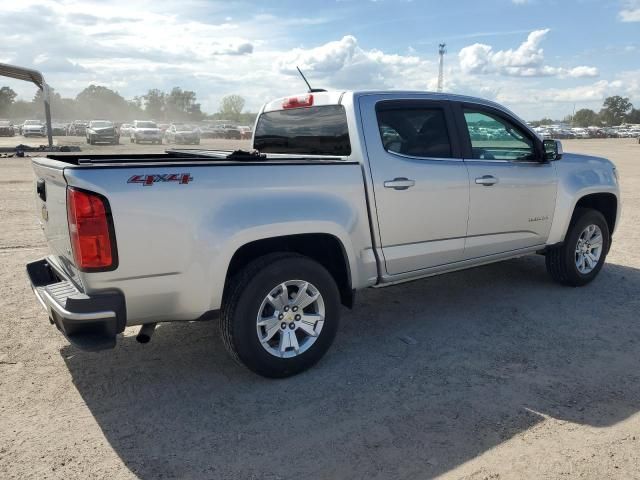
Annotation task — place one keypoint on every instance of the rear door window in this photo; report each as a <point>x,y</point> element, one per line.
<point>414,131</point>
<point>320,130</point>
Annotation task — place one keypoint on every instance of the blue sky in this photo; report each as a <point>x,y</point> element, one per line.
<point>539,57</point>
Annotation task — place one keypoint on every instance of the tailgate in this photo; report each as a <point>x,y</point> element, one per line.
<point>50,193</point>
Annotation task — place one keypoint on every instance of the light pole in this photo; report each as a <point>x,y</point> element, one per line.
<point>442,49</point>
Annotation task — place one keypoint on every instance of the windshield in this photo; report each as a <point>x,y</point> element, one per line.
<point>146,125</point>
<point>33,122</point>
<point>185,127</point>
<point>4,123</point>
<point>101,124</point>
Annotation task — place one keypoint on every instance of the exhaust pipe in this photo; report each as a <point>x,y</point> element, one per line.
<point>146,332</point>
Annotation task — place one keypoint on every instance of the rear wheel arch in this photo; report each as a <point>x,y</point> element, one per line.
<point>327,249</point>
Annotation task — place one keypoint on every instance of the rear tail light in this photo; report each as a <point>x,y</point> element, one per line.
<point>91,231</point>
<point>297,102</point>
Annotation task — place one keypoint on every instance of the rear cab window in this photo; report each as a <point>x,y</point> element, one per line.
<point>316,130</point>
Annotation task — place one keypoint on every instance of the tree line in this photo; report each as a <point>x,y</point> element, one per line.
<point>97,101</point>
<point>615,111</point>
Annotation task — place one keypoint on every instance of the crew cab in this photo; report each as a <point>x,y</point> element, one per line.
<point>346,190</point>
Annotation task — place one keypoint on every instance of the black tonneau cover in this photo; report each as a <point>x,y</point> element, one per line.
<point>191,156</point>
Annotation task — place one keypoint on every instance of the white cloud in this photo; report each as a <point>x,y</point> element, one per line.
<point>344,64</point>
<point>191,44</point>
<point>525,61</point>
<point>631,11</point>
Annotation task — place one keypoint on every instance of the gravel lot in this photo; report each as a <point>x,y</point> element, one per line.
<point>505,375</point>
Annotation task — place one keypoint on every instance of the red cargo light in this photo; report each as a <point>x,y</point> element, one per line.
<point>91,231</point>
<point>297,102</point>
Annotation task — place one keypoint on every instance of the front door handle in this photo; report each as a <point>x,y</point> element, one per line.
<point>487,180</point>
<point>399,183</point>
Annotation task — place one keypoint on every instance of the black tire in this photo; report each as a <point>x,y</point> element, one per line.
<point>243,298</point>
<point>560,260</point>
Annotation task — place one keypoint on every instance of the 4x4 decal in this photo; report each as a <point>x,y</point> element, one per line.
<point>149,180</point>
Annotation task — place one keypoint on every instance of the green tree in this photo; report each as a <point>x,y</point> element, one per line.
<point>231,107</point>
<point>7,97</point>
<point>633,116</point>
<point>615,110</point>
<point>181,105</point>
<point>97,102</point>
<point>585,118</point>
<point>154,103</point>
<point>22,110</point>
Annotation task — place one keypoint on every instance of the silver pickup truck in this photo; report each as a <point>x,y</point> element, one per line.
<point>349,190</point>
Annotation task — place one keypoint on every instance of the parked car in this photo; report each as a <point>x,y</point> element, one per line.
<point>145,131</point>
<point>274,242</point>
<point>102,131</point>
<point>58,130</point>
<point>6,129</point>
<point>581,133</point>
<point>245,132</point>
<point>232,133</point>
<point>33,128</point>
<point>209,131</point>
<point>125,130</point>
<point>182,133</point>
<point>77,128</point>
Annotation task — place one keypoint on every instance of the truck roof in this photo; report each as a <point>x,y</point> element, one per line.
<point>335,97</point>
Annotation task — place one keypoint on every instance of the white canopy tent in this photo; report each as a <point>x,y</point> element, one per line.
<point>37,78</point>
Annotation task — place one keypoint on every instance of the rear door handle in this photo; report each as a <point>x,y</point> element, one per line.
<point>399,183</point>
<point>487,180</point>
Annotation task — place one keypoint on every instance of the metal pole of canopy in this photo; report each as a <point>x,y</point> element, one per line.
<point>37,78</point>
<point>47,112</point>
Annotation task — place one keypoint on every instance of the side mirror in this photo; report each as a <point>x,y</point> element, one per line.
<point>552,149</point>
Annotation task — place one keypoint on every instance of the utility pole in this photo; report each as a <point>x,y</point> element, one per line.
<point>442,49</point>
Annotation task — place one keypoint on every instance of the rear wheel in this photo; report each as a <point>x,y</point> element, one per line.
<point>280,314</point>
<point>580,258</point>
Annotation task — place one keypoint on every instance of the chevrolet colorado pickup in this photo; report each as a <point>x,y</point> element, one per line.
<point>349,190</point>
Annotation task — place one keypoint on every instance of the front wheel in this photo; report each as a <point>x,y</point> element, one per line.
<point>280,314</point>
<point>580,258</point>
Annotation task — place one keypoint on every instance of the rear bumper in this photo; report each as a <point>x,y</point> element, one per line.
<point>89,322</point>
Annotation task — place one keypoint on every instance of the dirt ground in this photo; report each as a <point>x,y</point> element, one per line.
<point>505,375</point>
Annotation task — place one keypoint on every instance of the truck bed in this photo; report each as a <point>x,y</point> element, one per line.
<point>175,238</point>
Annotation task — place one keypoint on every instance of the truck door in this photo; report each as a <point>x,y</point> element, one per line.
<point>420,183</point>
<point>512,189</point>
